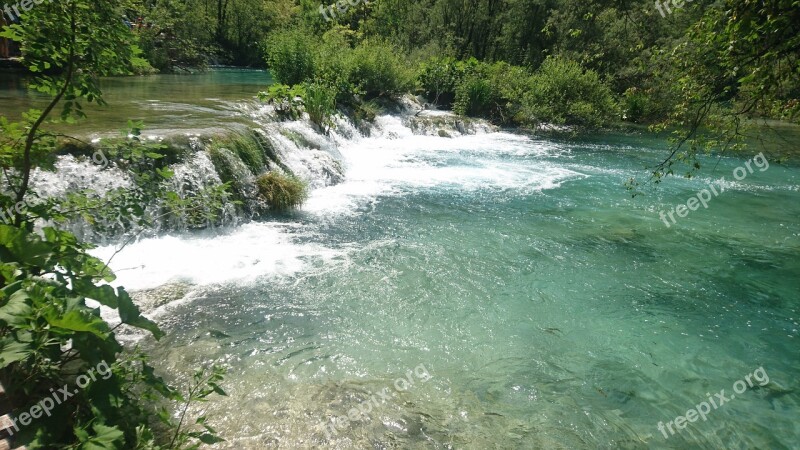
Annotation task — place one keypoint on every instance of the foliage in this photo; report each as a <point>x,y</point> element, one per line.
<point>366,112</point>
<point>492,91</point>
<point>440,77</point>
<point>204,383</point>
<point>247,148</point>
<point>379,70</point>
<point>287,101</point>
<point>183,34</point>
<point>290,55</point>
<point>49,332</point>
<point>68,46</point>
<point>642,105</point>
<point>200,209</point>
<point>282,192</point>
<point>146,201</point>
<point>663,69</point>
<point>48,335</point>
<point>739,61</point>
<point>475,96</point>
<point>563,92</point>
<point>333,63</point>
<point>319,101</point>
<point>114,212</point>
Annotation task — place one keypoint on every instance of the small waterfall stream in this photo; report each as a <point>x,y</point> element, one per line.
<point>208,160</point>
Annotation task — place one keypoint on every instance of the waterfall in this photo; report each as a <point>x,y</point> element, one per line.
<point>203,163</point>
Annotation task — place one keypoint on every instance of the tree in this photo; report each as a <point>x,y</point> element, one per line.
<point>67,45</point>
<point>740,61</point>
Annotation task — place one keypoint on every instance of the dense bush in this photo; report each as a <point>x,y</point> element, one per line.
<point>492,91</point>
<point>333,65</point>
<point>380,70</point>
<point>334,73</point>
<point>290,55</point>
<point>477,97</point>
<point>563,92</point>
<point>282,192</point>
<point>440,77</point>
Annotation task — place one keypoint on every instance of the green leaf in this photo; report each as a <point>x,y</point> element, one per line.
<point>105,438</point>
<point>105,295</point>
<point>17,311</point>
<point>208,438</point>
<point>217,389</point>
<point>129,313</point>
<point>77,320</point>
<point>13,350</point>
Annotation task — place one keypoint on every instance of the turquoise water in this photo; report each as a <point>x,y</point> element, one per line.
<point>549,308</point>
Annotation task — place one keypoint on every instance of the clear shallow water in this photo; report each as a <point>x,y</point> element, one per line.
<point>163,102</point>
<point>550,308</point>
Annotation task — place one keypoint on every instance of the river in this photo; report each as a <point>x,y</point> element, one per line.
<point>522,296</point>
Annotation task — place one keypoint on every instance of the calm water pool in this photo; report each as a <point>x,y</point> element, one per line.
<point>163,102</point>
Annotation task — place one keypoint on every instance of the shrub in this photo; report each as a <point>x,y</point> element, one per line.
<point>50,334</point>
<point>492,91</point>
<point>333,64</point>
<point>440,77</point>
<point>648,105</point>
<point>379,70</point>
<point>282,192</point>
<point>366,112</point>
<point>475,97</point>
<point>562,92</point>
<point>290,55</point>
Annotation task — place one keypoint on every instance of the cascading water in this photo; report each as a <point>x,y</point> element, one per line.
<point>549,309</point>
<point>207,161</point>
<point>296,147</point>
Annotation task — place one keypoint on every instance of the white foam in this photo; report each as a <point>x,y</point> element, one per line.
<point>392,163</point>
<point>245,253</point>
<point>397,161</point>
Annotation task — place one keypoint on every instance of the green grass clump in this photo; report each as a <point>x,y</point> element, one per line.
<point>246,147</point>
<point>282,192</point>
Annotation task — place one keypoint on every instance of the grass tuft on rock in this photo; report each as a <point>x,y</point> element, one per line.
<point>282,192</point>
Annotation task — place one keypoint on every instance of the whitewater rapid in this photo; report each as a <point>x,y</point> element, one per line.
<point>392,161</point>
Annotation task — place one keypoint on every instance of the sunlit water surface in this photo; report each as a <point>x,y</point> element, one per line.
<point>163,102</point>
<point>550,309</point>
